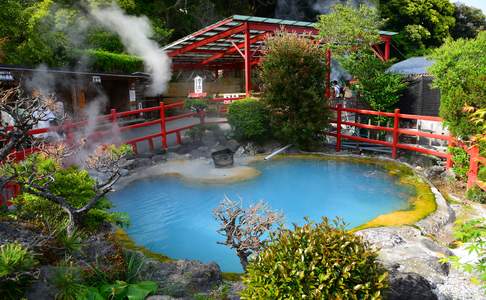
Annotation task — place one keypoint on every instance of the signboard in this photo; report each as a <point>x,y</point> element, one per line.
<point>198,85</point>
<point>132,95</point>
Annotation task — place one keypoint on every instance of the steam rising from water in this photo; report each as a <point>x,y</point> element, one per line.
<point>135,33</point>
<point>307,9</point>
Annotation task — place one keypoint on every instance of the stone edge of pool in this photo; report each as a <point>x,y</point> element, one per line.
<point>428,210</point>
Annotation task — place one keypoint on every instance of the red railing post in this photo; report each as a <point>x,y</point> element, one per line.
<point>163,128</point>
<point>178,137</point>
<point>339,108</point>
<point>113,116</point>
<point>396,135</point>
<point>472,174</point>
<point>450,143</point>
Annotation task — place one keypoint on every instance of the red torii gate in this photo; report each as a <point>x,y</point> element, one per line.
<point>235,42</point>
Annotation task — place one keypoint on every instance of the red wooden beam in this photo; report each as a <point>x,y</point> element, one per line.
<point>233,49</point>
<point>207,40</point>
<point>247,60</point>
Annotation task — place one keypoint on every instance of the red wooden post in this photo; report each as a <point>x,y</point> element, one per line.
<point>472,174</point>
<point>450,162</point>
<point>387,48</point>
<point>247,60</point>
<point>178,137</point>
<point>113,116</point>
<point>396,135</point>
<point>328,73</point>
<point>163,129</point>
<point>339,107</point>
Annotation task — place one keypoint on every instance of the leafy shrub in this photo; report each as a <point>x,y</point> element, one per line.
<point>16,263</point>
<point>482,173</point>
<point>293,74</point>
<point>476,194</point>
<point>472,232</point>
<point>123,290</point>
<point>318,261</point>
<point>461,161</point>
<point>15,258</point>
<point>460,74</point>
<point>72,183</point>
<point>249,119</point>
<point>196,105</point>
<point>379,89</point>
<point>114,62</point>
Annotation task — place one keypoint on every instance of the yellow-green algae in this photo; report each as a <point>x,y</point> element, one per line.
<point>126,242</point>
<point>421,204</point>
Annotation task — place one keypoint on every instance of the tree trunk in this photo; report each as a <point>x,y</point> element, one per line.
<point>243,258</point>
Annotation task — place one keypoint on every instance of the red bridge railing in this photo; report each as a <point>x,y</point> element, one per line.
<point>114,117</point>
<point>475,159</point>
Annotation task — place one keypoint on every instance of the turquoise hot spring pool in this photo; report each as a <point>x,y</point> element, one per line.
<point>174,217</point>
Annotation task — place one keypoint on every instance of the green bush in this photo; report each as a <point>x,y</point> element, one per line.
<point>379,89</point>
<point>476,194</point>
<point>249,120</point>
<point>16,264</point>
<point>73,184</point>
<point>461,161</point>
<point>196,104</point>
<point>105,61</point>
<point>460,74</point>
<point>293,74</point>
<point>315,261</point>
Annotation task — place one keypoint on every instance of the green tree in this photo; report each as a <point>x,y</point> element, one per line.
<point>293,75</point>
<point>460,74</point>
<point>469,21</point>
<point>349,32</point>
<point>381,90</point>
<point>346,29</point>
<point>421,24</point>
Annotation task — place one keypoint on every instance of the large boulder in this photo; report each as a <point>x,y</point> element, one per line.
<point>182,278</point>
<point>409,286</point>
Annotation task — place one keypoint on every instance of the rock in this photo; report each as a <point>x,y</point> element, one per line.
<point>42,289</point>
<point>233,145</point>
<point>434,171</point>
<point>409,286</point>
<point>159,157</point>
<point>145,155</point>
<point>203,148</point>
<point>17,232</point>
<point>128,164</point>
<point>142,162</point>
<point>124,172</point>
<point>182,278</point>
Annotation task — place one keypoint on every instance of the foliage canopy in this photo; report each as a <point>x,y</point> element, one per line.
<point>460,74</point>
<point>318,261</point>
<point>249,120</point>
<point>421,24</point>
<point>346,29</point>
<point>293,76</point>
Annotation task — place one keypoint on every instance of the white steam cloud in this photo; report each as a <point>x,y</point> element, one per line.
<point>135,34</point>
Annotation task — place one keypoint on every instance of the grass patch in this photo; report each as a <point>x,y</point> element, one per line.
<point>126,242</point>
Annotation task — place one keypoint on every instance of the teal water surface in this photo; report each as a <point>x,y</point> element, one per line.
<point>174,217</point>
